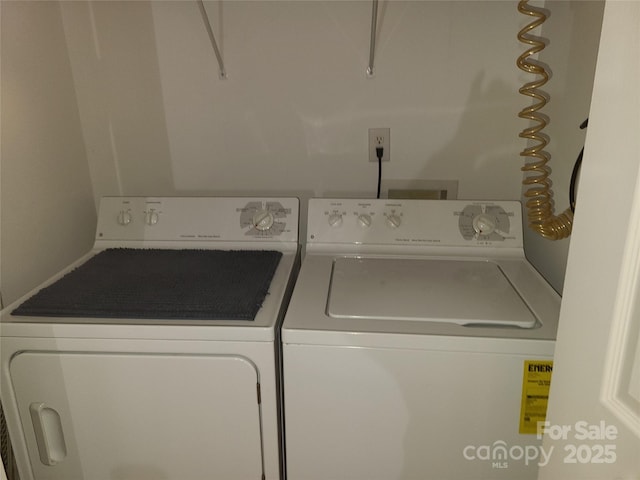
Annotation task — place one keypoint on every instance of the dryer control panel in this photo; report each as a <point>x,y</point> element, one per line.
<point>198,220</point>
<point>415,222</point>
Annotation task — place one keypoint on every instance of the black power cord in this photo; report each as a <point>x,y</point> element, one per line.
<point>379,154</point>
<point>574,174</point>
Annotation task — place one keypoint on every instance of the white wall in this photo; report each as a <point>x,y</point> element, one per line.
<point>294,112</point>
<point>46,202</point>
<point>293,115</point>
<point>573,32</point>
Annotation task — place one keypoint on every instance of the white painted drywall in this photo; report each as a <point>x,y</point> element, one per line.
<point>293,115</point>
<point>46,199</point>
<point>573,33</point>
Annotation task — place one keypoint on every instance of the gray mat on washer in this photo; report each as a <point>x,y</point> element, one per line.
<point>160,284</point>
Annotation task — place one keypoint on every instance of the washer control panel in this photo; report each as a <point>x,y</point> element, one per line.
<point>415,222</point>
<point>199,219</point>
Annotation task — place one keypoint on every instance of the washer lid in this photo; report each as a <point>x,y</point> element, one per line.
<point>464,292</point>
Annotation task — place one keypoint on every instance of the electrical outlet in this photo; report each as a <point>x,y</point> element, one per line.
<point>379,137</point>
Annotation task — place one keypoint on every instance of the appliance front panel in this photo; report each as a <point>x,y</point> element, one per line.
<point>139,416</point>
<point>391,414</point>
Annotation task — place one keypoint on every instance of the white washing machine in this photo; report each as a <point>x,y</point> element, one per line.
<point>418,344</point>
<point>155,356</point>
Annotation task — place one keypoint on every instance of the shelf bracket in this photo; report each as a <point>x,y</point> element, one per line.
<point>212,37</point>
<point>372,44</point>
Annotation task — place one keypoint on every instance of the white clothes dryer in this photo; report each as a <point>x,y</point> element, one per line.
<point>156,355</point>
<point>418,344</point>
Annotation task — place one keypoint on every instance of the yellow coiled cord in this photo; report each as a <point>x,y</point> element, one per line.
<point>539,202</point>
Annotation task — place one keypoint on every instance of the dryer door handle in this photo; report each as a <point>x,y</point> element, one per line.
<point>49,437</point>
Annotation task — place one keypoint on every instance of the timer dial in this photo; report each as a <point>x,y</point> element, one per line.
<point>262,220</point>
<point>484,222</point>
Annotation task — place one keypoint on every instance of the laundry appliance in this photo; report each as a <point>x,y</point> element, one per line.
<point>418,344</point>
<point>155,355</point>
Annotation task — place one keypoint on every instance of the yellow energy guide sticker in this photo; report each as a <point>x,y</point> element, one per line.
<point>536,381</point>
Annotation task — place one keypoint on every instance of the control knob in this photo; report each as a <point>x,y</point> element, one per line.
<point>393,221</point>
<point>335,220</point>
<point>364,220</point>
<point>484,224</point>
<point>263,220</point>
<point>151,217</point>
<point>124,217</point>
